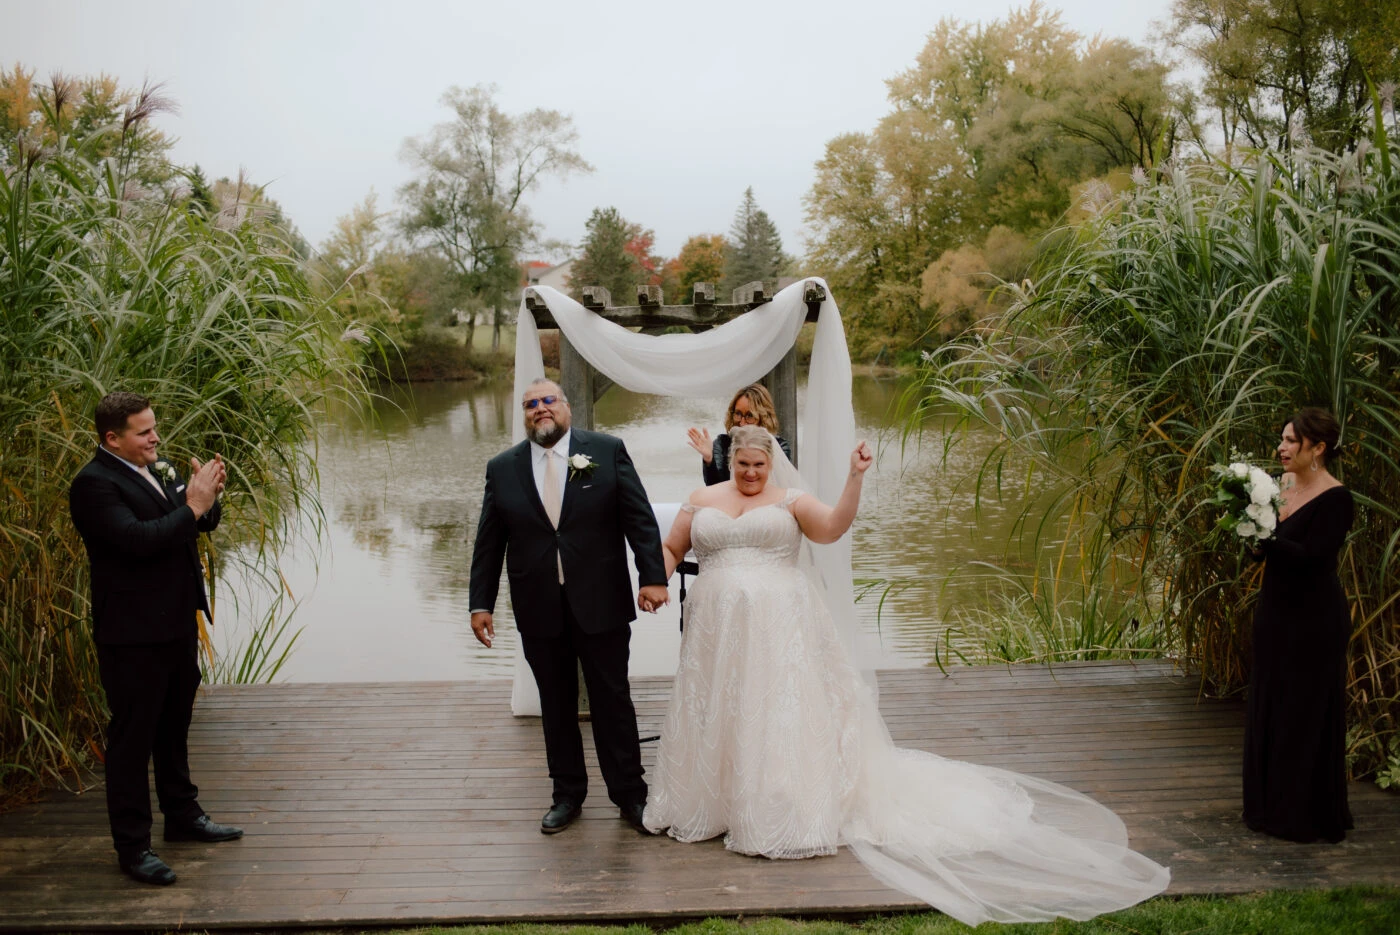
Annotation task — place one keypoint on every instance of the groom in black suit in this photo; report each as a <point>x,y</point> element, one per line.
<point>140,523</point>
<point>556,510</point>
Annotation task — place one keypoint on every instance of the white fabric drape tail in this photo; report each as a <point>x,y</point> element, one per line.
<point>986,844</point>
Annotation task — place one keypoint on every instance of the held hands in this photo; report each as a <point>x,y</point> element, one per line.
<point>861,459</point>
<point>206,483</point>
<point>653,596</point>
<point>483,627</point>
<point>699,439</point>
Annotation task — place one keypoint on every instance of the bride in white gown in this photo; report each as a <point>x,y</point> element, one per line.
<point>773,738</point>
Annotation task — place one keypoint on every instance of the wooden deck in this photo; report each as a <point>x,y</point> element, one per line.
<point>420,802</point>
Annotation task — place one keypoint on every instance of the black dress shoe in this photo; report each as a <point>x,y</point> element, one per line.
<point>203,829</point>
<point>633,813</point>
<point>559,817</point>
<point>146,867</point>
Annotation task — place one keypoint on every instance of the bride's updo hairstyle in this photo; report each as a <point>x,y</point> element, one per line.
<point>753,437</point>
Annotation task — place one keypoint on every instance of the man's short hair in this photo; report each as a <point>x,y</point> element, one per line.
<point>114,409</point>
<point>537,381</point>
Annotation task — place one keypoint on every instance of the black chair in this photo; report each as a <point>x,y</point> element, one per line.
<point>685,568</point>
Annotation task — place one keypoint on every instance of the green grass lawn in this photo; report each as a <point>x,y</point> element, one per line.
<point>1357,910</point>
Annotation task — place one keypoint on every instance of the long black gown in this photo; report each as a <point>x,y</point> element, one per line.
<point>1295,737</point>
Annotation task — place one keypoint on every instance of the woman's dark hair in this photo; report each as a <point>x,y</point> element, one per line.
<point>113,411</point>
<point>1315,424</point>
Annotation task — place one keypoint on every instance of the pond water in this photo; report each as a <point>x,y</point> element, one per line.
<point>384,595</point>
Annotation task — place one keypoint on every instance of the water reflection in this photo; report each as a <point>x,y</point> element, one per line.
<point>385,596</point>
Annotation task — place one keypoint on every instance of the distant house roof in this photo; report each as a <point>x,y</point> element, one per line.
<point>538,273</point>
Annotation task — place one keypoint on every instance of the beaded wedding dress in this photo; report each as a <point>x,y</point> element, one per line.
<point>773,739</point>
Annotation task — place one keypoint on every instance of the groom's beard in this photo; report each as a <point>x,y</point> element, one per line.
<point>543,437</point>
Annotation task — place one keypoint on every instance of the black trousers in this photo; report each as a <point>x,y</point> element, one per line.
<point>555,661</point>
<point>150,688</point>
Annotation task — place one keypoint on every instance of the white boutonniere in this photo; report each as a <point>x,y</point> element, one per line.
<point>580,464</point>
<point>165,470</point>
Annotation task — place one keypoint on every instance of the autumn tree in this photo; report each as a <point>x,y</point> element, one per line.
<point>960,288</point>
<point>883,206</point>
<point>611,256</point>
<point>468,199</point>
<point>755,247</point>
<point>345,264</point>
<point>993,126</point>
<point>701,259</point>
<point>35,115</point>
<point>387,294</point>
<point>1273,67</point>
<point>355,238</point>
<point>1034,107</point>
<point>642,248</point>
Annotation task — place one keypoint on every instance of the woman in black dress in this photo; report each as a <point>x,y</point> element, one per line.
<point>1294,741</point>
<point>750,406</point>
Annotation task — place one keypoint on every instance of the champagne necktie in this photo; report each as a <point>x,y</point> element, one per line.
<point>146,473</point>
<point>552,500</point>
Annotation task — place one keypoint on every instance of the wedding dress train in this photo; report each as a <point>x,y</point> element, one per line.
<point>774,740</point>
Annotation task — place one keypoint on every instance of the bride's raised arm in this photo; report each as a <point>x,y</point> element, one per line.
<point>822,523</point>
<point>678,539</point>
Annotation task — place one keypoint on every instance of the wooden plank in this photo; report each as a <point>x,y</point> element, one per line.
<point>419,803</point>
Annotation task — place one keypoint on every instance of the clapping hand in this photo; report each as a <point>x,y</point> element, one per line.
<point>861,459</point>
<point>699,439</point>
<point>206,483</point>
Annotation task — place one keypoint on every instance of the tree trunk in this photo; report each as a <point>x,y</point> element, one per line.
<point>471,330</point>
<point>496,329</point>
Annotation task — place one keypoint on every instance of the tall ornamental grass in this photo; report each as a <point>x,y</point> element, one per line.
<point>113,276</point>
<point>1188,318</point>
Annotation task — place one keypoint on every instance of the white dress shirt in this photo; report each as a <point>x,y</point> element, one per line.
<point>141,469</point>
<point>537,455</point>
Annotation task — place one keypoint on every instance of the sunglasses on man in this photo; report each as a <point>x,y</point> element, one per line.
<point>543,400</point>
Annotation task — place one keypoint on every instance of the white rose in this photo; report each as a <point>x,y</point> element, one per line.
<point>1262,488</point>
<point>1240,470</point>
<point>1257,512</point>
<point>578,462</point>
<point>1246,530</point>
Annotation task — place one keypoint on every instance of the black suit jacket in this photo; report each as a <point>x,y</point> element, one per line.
<point>602,508</point>
<point>146,576</point>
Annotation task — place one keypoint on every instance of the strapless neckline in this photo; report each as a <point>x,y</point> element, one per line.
<point>735,519</point>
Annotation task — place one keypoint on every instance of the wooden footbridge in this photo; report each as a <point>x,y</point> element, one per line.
<point>378,804</point>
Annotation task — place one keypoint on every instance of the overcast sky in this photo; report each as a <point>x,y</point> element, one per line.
<point>678,106</point>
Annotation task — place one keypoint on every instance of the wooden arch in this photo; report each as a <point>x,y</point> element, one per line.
<point>583,384</point>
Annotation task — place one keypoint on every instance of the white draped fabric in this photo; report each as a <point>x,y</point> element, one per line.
<point>716,363</point>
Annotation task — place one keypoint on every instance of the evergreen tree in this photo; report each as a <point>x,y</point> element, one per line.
<point>201,197</point>
<point>606,260</point>
<point>755,249</point>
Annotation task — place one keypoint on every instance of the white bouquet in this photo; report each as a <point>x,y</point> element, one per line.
<point>1250,498</point>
